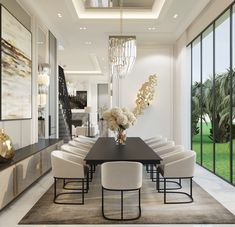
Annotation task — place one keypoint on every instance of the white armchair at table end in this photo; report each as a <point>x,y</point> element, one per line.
<point>71,167</point>
<point>177,166</point>
<point>121,176</point>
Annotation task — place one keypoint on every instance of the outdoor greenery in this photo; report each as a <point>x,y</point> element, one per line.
<point>211,102</point>
<point>204,103</point>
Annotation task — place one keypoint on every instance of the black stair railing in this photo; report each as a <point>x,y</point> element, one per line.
<point>64,98</point>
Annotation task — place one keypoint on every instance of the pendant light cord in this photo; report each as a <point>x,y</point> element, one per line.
<point>121,16</point>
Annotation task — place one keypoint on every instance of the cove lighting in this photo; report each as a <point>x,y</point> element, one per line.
<point>84,13</point>
<point>151,28</point>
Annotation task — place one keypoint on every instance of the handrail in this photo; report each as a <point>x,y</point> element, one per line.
<point>64,98</point>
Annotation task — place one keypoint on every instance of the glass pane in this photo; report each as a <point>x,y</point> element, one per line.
<point>207,98</point>
<point>222,94</point>
<point>233,95</point>
<point>196,99</point>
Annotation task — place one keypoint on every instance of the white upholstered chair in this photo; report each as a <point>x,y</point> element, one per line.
<point>121,176</point>
<point>84,141</point>
<point>94,139</point>
<point>161,144</point>
<point>168,150</point>
<point>179,165</point>
<point>74,150</point>
<point>152,139</point>
<point>79,145</point>
<point>151,143</point>
<point>164,152</point>
<point>71,167</point>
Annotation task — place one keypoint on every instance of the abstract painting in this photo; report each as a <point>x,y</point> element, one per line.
<point>16,69</point>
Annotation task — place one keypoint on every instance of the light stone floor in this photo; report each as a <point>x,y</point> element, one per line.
<point>219,189</point>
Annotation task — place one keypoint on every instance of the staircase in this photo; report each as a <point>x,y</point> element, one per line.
<point>64,131</point>
<point>65,113</point>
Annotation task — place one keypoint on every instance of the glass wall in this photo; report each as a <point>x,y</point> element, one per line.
<point>207,95</point>
<point>196,98</point>
<point>212,102</point>
<point>222,101</point>
<point>233,97</point>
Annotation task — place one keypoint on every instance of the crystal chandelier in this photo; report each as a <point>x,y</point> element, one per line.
<point>122,54</point>
<point>122,51</point>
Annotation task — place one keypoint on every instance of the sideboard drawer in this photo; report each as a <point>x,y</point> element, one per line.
<point>27,171</point>
<point>7,186</point>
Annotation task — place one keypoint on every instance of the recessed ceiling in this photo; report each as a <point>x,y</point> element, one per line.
<point>133,4</point>
<point>78,56</point>
<point>137,12</point>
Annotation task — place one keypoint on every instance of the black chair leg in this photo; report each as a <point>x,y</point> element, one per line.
<point>190,194</point>
<point>54,189</point>
<point>122,212</point>
<point>82,191</point>
<point>64,193</point>
<point>121,205</point>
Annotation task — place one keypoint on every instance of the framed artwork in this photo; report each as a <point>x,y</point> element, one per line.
<point>79,101</point>
<point>16,68</point>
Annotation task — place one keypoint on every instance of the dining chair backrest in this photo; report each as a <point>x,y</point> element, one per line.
<point>79,145</point>
<point>169,149</point>
<point>121,175</point>
<point>88,138</point>
<point>161,140</point>
<point>66,165</point>
<point>154,138</point>
<point>85,141</point>
<point>156,146</point>
<point>181,164</point>
<point>74,150</point>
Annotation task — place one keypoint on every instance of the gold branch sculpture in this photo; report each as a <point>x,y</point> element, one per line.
<point>145,95</point>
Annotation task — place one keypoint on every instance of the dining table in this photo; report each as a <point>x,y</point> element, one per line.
<point>135,149</point>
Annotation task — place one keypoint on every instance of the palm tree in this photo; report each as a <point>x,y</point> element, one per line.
<point>220,89</point>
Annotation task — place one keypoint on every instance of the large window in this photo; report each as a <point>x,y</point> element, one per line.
<point>213,96</point>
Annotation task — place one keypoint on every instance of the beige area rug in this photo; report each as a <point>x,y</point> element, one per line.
<point>204,210</point>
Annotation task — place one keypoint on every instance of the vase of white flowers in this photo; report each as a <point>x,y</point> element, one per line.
<point>118,120</point>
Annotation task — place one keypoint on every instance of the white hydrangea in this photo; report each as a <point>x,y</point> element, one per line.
<point>116,112</point>
<point>119,118</point>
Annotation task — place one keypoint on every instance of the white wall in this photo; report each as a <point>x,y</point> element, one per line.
<point>182,93</point>
<point>158,117</point>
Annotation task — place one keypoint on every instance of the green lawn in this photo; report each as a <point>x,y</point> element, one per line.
<point>221,153</point>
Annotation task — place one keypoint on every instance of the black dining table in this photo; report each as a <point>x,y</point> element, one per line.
<point>135,149</point>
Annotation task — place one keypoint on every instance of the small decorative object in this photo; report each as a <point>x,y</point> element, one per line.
<point>145,95</point>
<point>118,120</point>
<point>7,151</point>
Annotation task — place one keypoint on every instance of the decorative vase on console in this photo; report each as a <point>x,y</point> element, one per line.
<point>118,120</point>
<point>7,151</point>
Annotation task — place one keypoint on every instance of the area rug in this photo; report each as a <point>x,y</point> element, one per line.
<point>204,210</point>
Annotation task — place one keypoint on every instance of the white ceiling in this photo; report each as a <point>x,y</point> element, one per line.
<point>84,48</point>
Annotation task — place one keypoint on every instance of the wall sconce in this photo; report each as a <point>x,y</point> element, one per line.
<point>43,78</point>
<point>43,85</point>
<point>89,110</point>
<point>42,100</point>
<point>145,95</point>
